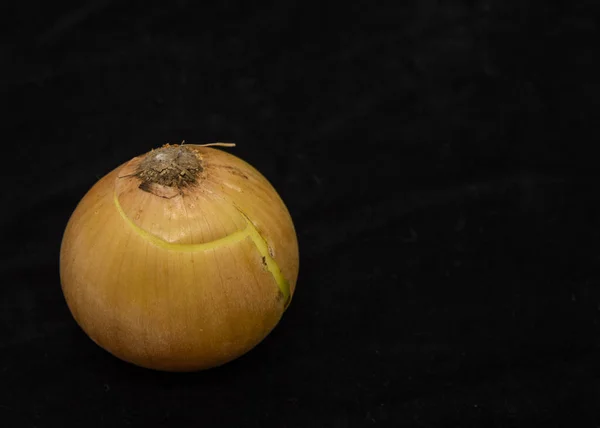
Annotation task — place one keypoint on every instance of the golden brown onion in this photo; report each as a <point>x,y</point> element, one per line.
<point>182,259</point>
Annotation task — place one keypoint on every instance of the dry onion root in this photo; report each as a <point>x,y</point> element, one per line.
<point>181,259</point>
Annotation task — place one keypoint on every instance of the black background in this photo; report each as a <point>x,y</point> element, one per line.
<point>436,157</point>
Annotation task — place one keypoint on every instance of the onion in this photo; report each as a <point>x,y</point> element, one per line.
<point>181,259</point>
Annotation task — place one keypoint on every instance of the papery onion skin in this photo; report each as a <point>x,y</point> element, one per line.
<point>185,276</point>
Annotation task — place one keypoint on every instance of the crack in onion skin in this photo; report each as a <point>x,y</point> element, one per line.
<point>206,294</point>
<point>248,232</point>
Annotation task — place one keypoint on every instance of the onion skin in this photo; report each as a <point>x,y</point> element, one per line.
<point>180,278</point>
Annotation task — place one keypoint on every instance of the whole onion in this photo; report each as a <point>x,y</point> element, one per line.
<point>181,259</point>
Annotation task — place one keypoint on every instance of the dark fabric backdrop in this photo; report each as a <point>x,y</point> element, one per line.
<point>437,159</point>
